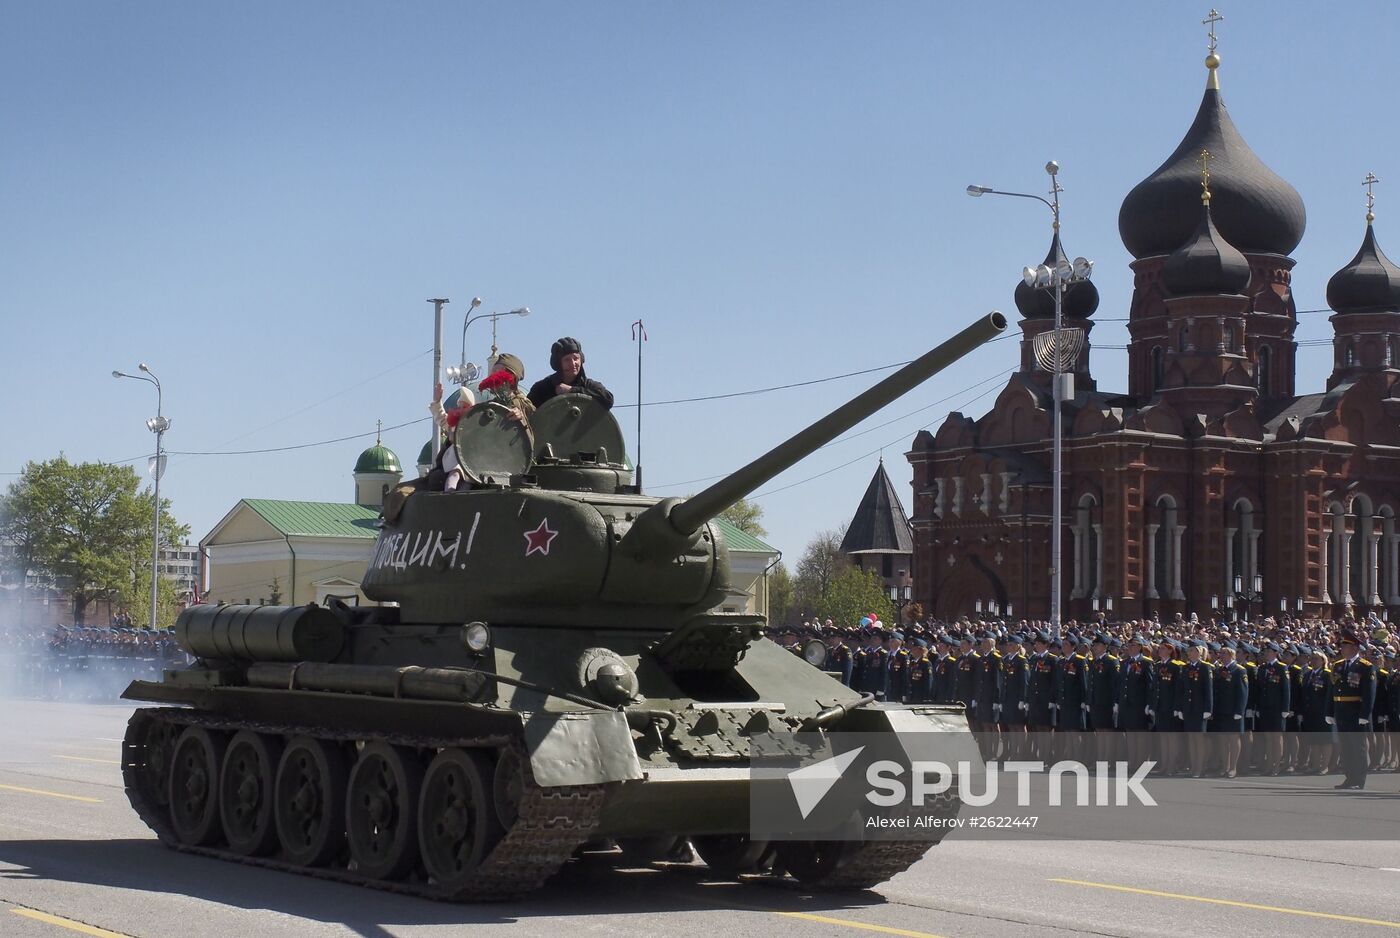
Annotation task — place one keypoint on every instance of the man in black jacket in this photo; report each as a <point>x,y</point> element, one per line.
<point>566,358</point>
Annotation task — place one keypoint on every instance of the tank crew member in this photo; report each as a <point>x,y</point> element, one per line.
<point>566,358</point>
<point>921,668</point>
<point>1273,703</point>
<point>1314,706</point>
<point>1353,697</point>
<point>1231,696</point>
<point>1194,702</point>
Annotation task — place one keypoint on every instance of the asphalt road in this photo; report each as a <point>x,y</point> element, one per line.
<point>74,859</point>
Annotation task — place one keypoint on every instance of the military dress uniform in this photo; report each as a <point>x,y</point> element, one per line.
<point>1134,693</point>
<point>920,689</point>
<point>896,675</point>
<point>987,696</point>
<point>1231,696</point>
<point>1014,687</point>
<point>965,679</point>
<point>1040,691</point>
<point>1166,693</point>
<point>839,663</point>
<point>945,673</point>
<point>1353,697</point>
<point>1314,705</point>
<point>1071,692</point>
<point>1273,697</point>
<point>1197,696</point>
<point>1103,691</point>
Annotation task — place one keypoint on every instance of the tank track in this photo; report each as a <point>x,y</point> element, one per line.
<point>551,822</point>
<point>875,862</point>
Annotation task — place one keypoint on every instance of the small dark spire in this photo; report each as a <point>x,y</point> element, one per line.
<point>1079,302</point>
<point>880,524</point>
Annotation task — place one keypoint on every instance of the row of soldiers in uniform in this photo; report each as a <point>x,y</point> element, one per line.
<point>1270,692</point>
<point>84,663</point>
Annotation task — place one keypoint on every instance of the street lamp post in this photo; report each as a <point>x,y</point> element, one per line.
<point>157,425</point>
<point>1248,596</point>
<point>1056,278</point>
<point>468,371</point>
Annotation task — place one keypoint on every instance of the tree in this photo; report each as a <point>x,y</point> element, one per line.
<point>854,593</point>
<point>746,516</point>
<point>821,562</point>
<point>135,597</point>
<point>275,597</point>
<point>87,524</point>
<point>780,595</point>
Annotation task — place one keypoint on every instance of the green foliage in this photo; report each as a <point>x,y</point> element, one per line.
<point>87,524</point>
<point>854,593</point>
<point>275,597</point>
<point>821,562</point>
<point>746,516</point>
<point>781,594</point>
<point>135,597</point>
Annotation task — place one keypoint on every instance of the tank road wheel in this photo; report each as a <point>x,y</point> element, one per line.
<point>811,862</point>
<point>508,786</point>
<point>457,823</point>
<point>381,808</point>
<point>194,786</point>
<point>156,740</point>
<point>732,854</point>
<point>309,801</point>
<point>246,793</point>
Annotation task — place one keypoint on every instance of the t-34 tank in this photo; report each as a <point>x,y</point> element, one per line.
<point>554,671</point>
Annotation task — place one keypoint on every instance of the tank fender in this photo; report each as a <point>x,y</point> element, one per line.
<point>581,748</point>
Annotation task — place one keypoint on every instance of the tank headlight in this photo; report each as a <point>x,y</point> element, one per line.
<point>476,636</point>
<point>814,653</point>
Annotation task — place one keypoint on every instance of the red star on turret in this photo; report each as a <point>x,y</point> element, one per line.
<point>538,540</point>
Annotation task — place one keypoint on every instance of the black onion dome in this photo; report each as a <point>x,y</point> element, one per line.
<point>1206,264</point>
<point>1369,282</point>
<point>1256,210</point>
<point>1079,301</point>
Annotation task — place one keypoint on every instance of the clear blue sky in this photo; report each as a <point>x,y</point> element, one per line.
<point>257,198</point>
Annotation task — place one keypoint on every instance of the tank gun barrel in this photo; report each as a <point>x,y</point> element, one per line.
<point>688,516</point>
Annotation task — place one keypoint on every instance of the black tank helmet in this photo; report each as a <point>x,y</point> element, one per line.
<point>563,347</point>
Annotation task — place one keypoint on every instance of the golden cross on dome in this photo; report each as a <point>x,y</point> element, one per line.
<point>378,426</point>
<point>1205,176</point>
<point>1369,182</point>
<point>1211,19</point>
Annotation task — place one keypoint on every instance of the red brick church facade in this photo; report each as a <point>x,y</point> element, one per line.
<point>1212,465</point>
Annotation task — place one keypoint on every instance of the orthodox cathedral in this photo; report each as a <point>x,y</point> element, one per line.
<point>1213,483</point>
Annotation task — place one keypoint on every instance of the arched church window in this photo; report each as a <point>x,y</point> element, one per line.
<point>1392,351</point>
<point>1158,367</point>
<point>1184,339</point>
<point>1264,371</point>
<point>1230,337</point>
<point>1348,355</point>
<point>1166,550</point>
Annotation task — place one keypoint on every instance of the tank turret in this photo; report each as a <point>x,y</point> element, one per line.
<point>553,532</point>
